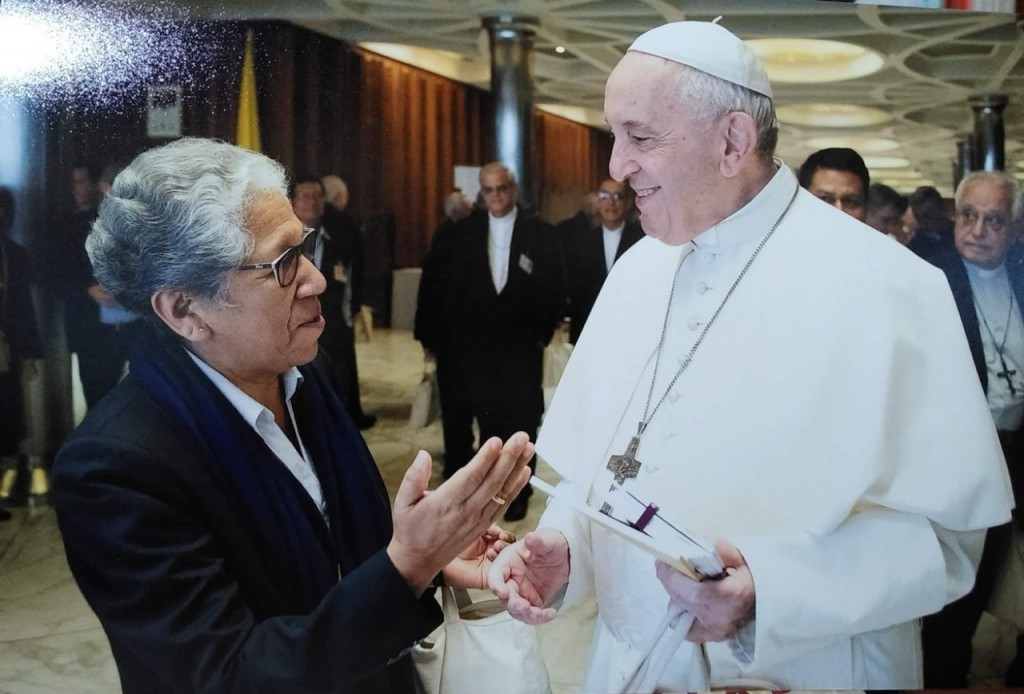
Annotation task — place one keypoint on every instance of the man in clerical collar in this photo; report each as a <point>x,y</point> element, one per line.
<point>774,376</point>
<point>838,177</point>
<point>987,279</point>
<point>339,258</point>
<point>494,294</point>
<point>590,251</point>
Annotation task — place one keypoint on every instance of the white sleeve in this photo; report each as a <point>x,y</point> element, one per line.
<point>878,568</point>
<point>576,529</point>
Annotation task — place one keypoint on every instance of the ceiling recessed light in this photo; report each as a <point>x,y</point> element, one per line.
<point>876,162</point>
<point>831,115</point>
<point>559,49</point>
<point>860,143</point>
<point>815,60</point>
<point>896,173</point>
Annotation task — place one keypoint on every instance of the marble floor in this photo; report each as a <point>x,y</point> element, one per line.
<point>51,642</point>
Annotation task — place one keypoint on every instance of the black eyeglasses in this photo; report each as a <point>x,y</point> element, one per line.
<point>608,195</point>
<point>286,265</point>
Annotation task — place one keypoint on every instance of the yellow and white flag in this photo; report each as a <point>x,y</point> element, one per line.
<point>248,132</point>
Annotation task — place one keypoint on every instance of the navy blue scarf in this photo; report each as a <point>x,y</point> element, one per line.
<point>283,518</point>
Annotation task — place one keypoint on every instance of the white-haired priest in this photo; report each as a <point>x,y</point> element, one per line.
<point>776,377</point>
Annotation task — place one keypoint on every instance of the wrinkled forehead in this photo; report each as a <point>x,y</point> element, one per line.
<point>630,67</point>
<point>640,83</point>
<point>988,195</point>
<point>267,210</point>
<point>494,178</point>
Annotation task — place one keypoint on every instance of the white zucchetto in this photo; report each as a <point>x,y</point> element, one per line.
<point>708,47</point>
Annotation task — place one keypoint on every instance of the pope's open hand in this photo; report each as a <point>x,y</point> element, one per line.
<point>528,574</point>
<point>720,607</point>
<point>433,527</point>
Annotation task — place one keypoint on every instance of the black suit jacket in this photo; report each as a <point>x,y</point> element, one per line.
<point>429,325</point>
<point>70,271</point>
<point>950,262</point>
<point>497,340</point>
<point>341,263</point>
<point>189,600</point>
<point>522,318</point>
<point>347,242</point>
<point>948,259</point>
<point>583,247</point>
<point>20,332</point>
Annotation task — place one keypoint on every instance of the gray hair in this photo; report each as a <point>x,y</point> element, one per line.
<point>334,184</point>
<point>174,221</point>
<point>455,203</point>
<point>1000,178</point>
<point>498,167</point>
<point>711,97</point>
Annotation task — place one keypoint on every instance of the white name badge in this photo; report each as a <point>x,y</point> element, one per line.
<point>526,264</point>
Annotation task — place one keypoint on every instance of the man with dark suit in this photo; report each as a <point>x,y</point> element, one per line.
<point>456,413</point>
<point>985,272</point>
<point>101,346</point>
<point>498,296</point>
<point>339,257</point>
<point>20,347</point>
<point>591,251</point>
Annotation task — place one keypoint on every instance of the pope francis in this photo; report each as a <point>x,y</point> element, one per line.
<point>780,379</point>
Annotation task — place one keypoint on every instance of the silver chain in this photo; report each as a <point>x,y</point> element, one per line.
<point>1000,349</point>
<point>645,420</point>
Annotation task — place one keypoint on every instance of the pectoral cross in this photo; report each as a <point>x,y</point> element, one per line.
<point>626,466</point>
<point>1007,373</point>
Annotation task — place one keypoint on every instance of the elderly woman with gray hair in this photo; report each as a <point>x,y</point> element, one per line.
<point>220,513</point>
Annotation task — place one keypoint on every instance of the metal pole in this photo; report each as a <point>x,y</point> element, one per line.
<point>511,38</point>
<point>965,155</point>
<point>989,137</point>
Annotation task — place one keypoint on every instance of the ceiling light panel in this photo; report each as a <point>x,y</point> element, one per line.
<point>815,60</point>
<point>832,115</point>
<point>863,144</point>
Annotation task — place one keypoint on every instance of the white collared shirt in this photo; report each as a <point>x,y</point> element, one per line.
<point>992,303</point>
<point>612,238</point>
<point>262,421</point>
<point>499,243</point>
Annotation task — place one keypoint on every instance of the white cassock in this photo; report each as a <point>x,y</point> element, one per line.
<point>831,426</point>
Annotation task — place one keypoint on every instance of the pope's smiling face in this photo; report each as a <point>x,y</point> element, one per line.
<point>668,155</point>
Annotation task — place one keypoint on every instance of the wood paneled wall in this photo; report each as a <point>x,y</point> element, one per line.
<point>416,127</point>
<point>572,160</point>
